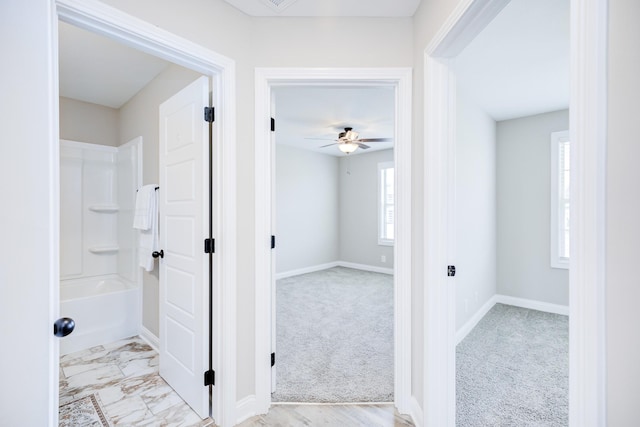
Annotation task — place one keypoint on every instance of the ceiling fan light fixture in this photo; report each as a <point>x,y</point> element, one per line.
<point>348,147</point>
<point>352,136</point>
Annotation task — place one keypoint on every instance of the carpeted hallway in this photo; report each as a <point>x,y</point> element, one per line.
<point>513,370</point>
<point>335,337</point>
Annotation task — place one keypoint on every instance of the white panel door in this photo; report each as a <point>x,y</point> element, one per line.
<point>184,222</point>
<point>29,275</point>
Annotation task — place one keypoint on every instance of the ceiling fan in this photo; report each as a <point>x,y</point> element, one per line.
<point>349,141</point>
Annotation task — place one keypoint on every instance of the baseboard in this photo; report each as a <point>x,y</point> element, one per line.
<point>245,408</point>
<point>150,338</point>
<point>306,270</point>
<point>507,300</point>
<point>473,321</point>
<point>415,411</point>
<point>320,267</point>
<point>365,267</point>
<point>533,305</point>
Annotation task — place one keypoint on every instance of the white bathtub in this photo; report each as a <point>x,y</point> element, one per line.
<point>104,308</point>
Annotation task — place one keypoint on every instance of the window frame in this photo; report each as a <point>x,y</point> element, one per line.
<point>558,201</point>
<point>382,239</point>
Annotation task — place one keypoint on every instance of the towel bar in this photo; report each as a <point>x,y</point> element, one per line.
<point>157,188</point>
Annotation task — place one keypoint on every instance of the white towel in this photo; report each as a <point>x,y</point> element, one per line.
<point>143,215</point>
<point>148,240</point>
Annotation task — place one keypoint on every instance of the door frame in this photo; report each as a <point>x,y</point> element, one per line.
<point>265,79</point>
<point>131,31</point>
<point>588,121</point>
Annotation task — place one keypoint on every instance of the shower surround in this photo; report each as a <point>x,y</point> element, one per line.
<point>99,277</point>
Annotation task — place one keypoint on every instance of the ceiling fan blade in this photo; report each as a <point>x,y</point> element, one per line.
<point>363,146</point>
<point>375,139</point>
<point>329,145</point>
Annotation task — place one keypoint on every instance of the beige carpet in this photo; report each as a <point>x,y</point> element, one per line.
<point>513,370</point>
<point>85,411</point>
<point>335,337</point>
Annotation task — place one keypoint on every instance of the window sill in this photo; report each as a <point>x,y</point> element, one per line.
<point>560,264</point>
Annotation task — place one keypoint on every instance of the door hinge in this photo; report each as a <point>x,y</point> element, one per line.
<point>209,114</point>
<point>273,359</point>
<point>209,246</point>
<point>273,124</point>
<point>209,377</point>
<point>451,270</point>
<point>273,242</point>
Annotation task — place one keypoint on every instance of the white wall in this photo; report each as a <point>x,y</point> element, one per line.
<point>86,122</point>
<point>306,209</point>
<point>524,196</point>
<point>139,117</point>
<point>475,209</point>
<point>332,42</point>
<point>359,206</point>
<point>623,214</point>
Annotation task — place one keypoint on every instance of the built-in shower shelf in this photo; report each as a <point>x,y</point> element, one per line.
<point>103,249</point>
<point>104,208</point>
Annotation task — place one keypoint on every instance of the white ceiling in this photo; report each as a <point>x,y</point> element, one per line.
<point>370,8</point>
<point>519,65</point>
<point>96,69</point>
<point>304,112</point>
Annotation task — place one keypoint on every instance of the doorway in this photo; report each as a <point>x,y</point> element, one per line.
<point>135,94</point>
<point>587,178</point>
<point>505,116</point>
<point>266,80</point>
<point>146,37</point>
<point>334,269</point>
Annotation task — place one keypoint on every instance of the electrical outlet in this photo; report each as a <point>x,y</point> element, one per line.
<point>383,258</point>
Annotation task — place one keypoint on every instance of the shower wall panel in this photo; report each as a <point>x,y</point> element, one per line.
<point>88,210</point>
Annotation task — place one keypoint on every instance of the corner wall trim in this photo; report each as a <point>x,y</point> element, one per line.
<point>150,338</point>
<point>245,408</point>
<point>533,305</point>
<point>477,317</point>
<point>305,270</point>
<point>415,411</point>
<point>365,267</point>
<point>508,300</point>
<point>320,267</point>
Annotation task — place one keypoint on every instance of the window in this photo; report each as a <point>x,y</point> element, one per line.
<point>386,197</point>
<point>560,199</point>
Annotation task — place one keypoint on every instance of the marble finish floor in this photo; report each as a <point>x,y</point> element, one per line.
<point>125,376</point>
